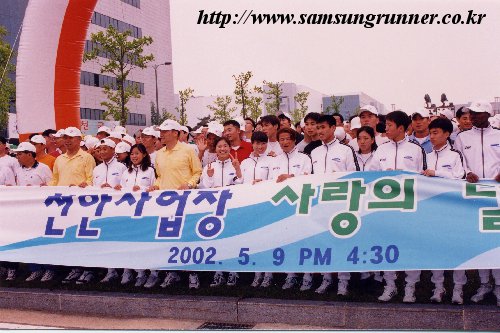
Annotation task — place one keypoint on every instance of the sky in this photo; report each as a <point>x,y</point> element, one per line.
<point>395,64</point>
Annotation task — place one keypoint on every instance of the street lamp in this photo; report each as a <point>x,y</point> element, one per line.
<point>155,67</point>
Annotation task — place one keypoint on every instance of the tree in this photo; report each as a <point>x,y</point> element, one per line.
<point>203,121</point>
<point>335,103</point>
<point>274,92</point>
<point>122,55</point>
<point>7,87</point>
<point>254,107</point>
<point>241,92</point>
<point>157,118</point>
<point>222,111</point>
<point>184,96</point>
<point>301,99</point>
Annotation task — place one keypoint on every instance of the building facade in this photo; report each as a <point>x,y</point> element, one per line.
<point>352,102</point>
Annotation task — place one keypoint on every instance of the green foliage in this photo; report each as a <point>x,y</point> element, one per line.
<point>157,118</point>
<point>301,99</point>
<point>254,107</point>
<point>274,95</point>
<point>123,54</point>
<point>7,87</point>
<point>241,91</point>
<point>222,111</point>
<point>335,103</point>
<point>203,121</point>
<point>184,96</point>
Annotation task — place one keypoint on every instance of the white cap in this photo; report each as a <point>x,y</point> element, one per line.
<point>340,133</point>
<point>494,121</point>
<point>107,142</point>
<point>82,144</point>
<point>38,139</point>
<point>445,112</point>
<point>129,139</point>
<point>73,132</point>
<point>198,131</point>
<point>170,125</point>
<point>240,121</point>
<point>423,112</point>
<point>25,146</point>
<point>59,133</point>
<point>369,108</point>
<point>216,130</point>
<point>184,129</point>
<point>120,129</point>
<point>355,123</point>
<point>115,135</point>
<point>481,106</point>
<point>104,129</point>
<point>122,147</point>
<point>151,132</point>
<point>91,142</point>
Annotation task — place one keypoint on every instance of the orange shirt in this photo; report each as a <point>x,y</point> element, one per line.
<point>48,160</point>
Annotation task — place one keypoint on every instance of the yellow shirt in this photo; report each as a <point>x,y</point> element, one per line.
<point>74,170</point>
<point>177,166</point>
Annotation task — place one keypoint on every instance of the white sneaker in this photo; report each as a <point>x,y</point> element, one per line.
<point>439,292</point>
<point>34,275</point>
<point>110,276</point>
<point>307,282</point>
<point>11,274</point>
<point>390,291</point>
<point>171,279</point>
<point>85,278</point>
<point>290,282</point>
<point>484,289</point>
<point>257,280</point>
<point>267,281</point>
<point>497,294</point>
<point>409,294</point>
<point>194,281</point>
<point>218,281</point>
<point>232,279</point>
<point>365,275</point>
<point>48,275</point>
<point>141,279</point>
<point>458,295</point>
<point>152,280</point>
<point>72,276</point>
<point>127,276</point>
<point>342,287</point>
<point>325,285</point>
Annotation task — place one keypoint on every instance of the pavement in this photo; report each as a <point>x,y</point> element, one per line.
<point>98,310</point>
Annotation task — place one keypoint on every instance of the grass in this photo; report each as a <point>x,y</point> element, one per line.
<point>358,291</point>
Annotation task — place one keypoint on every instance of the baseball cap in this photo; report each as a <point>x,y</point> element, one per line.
<point>122,147</point>
<point>340,133</point>
<point>59,133</point>
<point>72,131</point>
<point>355,123</point>
<point>151,132</point>
<point>91,142</point>
<point>115,135</point>
<point>198,131</point>
<point>184,129</point>
<point>127,138</point>
<point>285,115</point>
<point>481,106</point>
<point>107,142</point>
<point>369,108</point>
<point>104,129</point>
<point>423,112</point>
<point>120,129</point>
<point>38,139</point>
<point>170,125</point>
<point>216,130</point>
<point>445,112</point>
<point>25,146</point>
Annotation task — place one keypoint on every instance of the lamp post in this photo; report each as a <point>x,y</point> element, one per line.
<point>155,67</point>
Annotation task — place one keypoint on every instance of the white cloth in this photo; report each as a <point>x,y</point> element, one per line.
<point>10,162</point>
<point>253,167</point>
<point>292,163</point>
<point>224,175</point>
<point>273,146</point>
<point>208,157</point>
<point>366,162</point>
<point>38,174</point>
<point>379,139</point>
<point>7,176</point>
<point>143,179</point>
<point>334,157</point>
<point>446,162</point>
<point>110,173</point>
<point>403,155</point>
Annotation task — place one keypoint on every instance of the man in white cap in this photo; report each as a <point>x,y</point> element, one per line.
<point>103,132</point>
<point>368,115</point>
<point>120,129</point>
<point>286,122</point>
<point>149,138</point>
<point>116,137</point>
<point>420,120</point>
<point>107,174</point>
<point>61,147</point>
<point>480,148</point>
<point>41,155</point>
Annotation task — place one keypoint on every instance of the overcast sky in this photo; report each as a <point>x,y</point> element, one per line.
<point>394,64</point>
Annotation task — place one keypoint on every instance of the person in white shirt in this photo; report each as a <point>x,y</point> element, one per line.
<point>122,151</point>
<point>270,126</point>
<point>480,148</point>
<point>7,177</point>
<point>206,145</point>
<point>225,171</point>
<point>400,153</point>
<point>369,116</point>
<point>109,172</point>
<point>367,147</point>
<point>332,156</point>
<point>150,137</point>
<point>258,165</point>
<point>445,162</point>
<point>5,159</point>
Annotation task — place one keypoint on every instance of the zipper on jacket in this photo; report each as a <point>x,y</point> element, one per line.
<point>482,150</point>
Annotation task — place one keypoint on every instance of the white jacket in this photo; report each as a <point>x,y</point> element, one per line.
<point>403,155</point>
<point>253,168</point>
<point>292,163</point>
<point>334,157</point>
<point>366,162</point>
<point>143,179</point>
<point>110,173</point>
<point>224,175</point>
<point>273,146</point>
<point>446,163</point>
<point>480,148</point>
<point>7,176</point>
<point>38,174</point>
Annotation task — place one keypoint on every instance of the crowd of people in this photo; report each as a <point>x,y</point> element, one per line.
<point>170,156</point>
